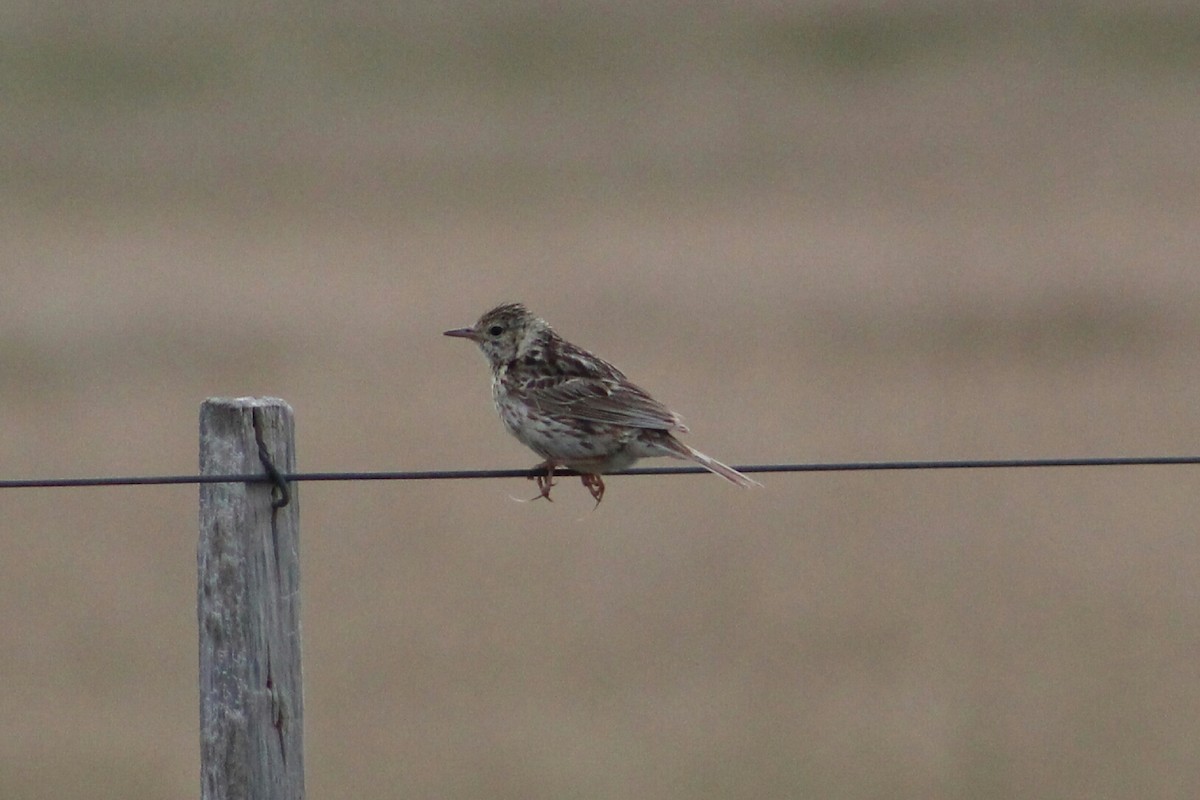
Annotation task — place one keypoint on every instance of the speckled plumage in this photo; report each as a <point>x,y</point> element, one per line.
<point>573,408</point>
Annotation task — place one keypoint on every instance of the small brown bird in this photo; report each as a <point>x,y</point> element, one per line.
<point>572,408</point>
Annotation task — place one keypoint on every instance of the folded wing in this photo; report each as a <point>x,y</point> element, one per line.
<point>603,400</point>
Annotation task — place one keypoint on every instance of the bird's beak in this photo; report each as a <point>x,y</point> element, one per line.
<point>463,333</point>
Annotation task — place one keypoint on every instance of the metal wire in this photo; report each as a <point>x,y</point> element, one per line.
<point>470,474</point>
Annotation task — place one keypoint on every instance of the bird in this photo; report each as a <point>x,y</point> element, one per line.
<point>573,408</point>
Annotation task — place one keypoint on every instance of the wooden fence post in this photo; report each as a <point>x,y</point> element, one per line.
<point>248,605</point>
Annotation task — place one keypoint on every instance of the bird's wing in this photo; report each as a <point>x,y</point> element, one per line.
<point>609,399</point>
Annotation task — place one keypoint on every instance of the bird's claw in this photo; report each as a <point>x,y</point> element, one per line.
<point>545,481</point>
<point>543,475</point>
<point>594,484</point>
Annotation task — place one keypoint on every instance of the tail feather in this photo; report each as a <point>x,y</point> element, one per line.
<point>716,467</point>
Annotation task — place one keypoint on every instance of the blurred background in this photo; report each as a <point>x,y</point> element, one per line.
<point>820,230</point>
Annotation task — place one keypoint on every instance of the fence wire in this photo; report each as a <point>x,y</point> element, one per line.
<point>472,474</point>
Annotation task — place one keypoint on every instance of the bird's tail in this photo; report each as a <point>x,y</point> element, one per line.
<point>681,450</point>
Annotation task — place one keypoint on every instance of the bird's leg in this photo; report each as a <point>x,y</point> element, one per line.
<point>545,480</point>
<point>594,484</point>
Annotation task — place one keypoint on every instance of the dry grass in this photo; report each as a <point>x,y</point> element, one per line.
<point>819,236</point>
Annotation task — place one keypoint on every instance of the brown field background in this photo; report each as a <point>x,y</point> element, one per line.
<point>825,231</point>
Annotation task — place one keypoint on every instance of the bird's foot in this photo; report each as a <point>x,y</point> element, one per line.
<point>594,484</point>
<point>543,474</point>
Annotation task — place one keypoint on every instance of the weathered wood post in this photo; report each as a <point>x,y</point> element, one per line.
<point>248,605</point>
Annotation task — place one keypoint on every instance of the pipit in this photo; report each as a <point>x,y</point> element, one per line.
<point>573,408</point>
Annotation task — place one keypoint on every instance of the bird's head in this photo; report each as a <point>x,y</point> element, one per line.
<point>504,333</point>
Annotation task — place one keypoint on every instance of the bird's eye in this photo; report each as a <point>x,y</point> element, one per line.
<point>495,330</point>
